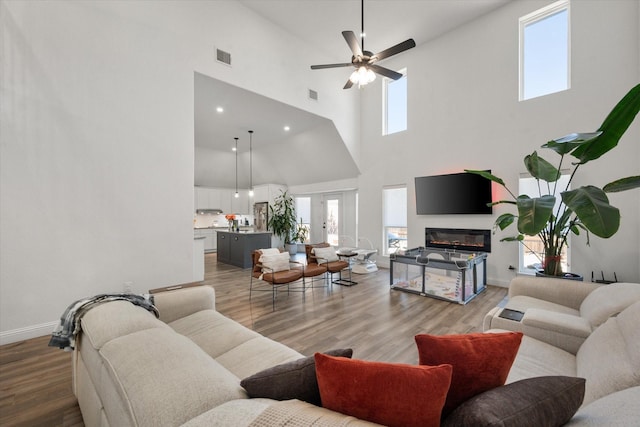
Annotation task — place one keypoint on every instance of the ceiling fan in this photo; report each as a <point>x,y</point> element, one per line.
<point>365,61</point>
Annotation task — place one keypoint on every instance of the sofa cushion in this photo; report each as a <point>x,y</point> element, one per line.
<point>537,358</point>
<point>202,326</point>
<point>155,371</point>
<point>608,301</point>
<point>610,358</point>
<point>384,393</point>
<point>616,409</point>
<point>533,402</point>
<point>480,361</point>
<point>131,318</point>
<point>256,355</point>
<point>292,380</point>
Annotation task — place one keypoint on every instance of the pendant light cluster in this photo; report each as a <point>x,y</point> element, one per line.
<point>235,148</point>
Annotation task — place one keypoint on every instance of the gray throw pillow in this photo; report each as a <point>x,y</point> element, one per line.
<point>541,401</point>
<point>292,380</point>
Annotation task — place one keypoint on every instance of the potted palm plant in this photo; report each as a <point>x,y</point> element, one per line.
<point>585,208</point>
<point>282,220</point>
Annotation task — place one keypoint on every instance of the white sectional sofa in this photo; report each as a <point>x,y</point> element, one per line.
<point>131,369</point>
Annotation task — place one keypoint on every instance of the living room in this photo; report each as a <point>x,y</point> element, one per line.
<point>97,134</point>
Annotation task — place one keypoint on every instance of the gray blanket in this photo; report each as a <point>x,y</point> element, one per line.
<point>64,335</point>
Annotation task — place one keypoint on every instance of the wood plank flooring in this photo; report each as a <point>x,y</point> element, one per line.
<point>378,323</point>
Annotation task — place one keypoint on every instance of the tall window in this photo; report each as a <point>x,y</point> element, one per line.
<point>303,213</point>
<point>532,249</point>
<point>394,219</point>
<point>394,108</point>
<point>545,51</point>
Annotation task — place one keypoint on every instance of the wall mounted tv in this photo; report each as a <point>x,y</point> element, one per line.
<point>458,193</point>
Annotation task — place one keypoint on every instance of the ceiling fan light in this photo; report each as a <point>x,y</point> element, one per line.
<point>354,77</point>
<point>371,76</point>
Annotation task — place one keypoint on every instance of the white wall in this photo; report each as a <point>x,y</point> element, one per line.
<point>97,145</point>
<point>464,114</point>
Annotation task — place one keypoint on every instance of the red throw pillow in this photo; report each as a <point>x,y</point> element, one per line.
<point>480,361</point>
<point>385,393</point>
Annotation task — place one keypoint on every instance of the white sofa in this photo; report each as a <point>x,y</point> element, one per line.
<point>131,369</point>
<point>561,312</point>
<point>608,356</point>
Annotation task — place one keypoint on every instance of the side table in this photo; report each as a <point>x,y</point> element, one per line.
<point>340,280</point>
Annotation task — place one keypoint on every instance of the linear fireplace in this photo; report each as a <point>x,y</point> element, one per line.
<point>458,239</point>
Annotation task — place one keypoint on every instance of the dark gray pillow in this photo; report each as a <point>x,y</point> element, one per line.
<point>533,402</point>
<point>292,380</point>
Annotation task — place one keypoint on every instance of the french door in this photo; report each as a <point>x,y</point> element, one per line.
<point>332,220</point>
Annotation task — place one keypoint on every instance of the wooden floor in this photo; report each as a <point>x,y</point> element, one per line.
<point>378,323</point>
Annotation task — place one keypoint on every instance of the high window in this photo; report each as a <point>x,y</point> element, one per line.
<point>394,109</point>
<point>394,219</point>
<point>532,249</point>
<point>545,51</point>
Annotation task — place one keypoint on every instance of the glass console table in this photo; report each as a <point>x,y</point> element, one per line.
<point>450,276</point>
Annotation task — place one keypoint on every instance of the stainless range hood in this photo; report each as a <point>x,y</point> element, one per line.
<point>208,211</point>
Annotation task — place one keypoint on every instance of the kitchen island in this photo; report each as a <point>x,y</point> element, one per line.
<point>235,248</point>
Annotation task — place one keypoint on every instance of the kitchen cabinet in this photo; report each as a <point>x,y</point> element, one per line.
<point>209,237</point>
<point>236,248</point>
<point>210,241</point>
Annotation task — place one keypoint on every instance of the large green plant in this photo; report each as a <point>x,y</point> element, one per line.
<point>585,208</point>
<point>282,217</point>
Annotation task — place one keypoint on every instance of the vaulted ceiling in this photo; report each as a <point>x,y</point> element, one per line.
<point>312,150</point>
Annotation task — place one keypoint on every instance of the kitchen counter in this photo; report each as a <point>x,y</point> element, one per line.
<point>235,248</point>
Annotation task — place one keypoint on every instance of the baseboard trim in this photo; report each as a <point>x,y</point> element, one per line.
<point>28,332</point>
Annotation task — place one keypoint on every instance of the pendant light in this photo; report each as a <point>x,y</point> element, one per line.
<point>236,195</point>
<point>250,163</point>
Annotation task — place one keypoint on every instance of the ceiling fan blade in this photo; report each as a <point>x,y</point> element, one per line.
<point>385,71</point>
<point>352,41</point>
<point>394,50</point>
<point>348,84</point>
<point>320,67</point>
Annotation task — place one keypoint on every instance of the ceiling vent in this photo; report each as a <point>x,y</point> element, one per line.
<point>313,94</point>
<point>224,57</point>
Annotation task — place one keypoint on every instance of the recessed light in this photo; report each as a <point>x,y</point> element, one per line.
<point>287,128</point>
<point>234,149</point>
<point>220,110</point>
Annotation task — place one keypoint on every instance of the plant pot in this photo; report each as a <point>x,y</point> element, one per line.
<point>568,276</point>
<point>292,248</point>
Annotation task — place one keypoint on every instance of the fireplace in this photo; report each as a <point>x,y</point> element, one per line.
<point>458,239</point>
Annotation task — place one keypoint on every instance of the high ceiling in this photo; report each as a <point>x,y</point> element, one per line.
<point>319,23</point>
<point>386,22</point>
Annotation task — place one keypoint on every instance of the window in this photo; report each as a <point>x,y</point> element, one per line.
<point>394,107</point>
<point>531,249</point>
<point>544,51</point>
<point>394,219</point>
<point>303,213</point>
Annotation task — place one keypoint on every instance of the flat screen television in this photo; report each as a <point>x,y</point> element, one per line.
<point>457,193</point>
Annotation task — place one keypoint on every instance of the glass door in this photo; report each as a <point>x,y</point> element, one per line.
<point>332,223</point>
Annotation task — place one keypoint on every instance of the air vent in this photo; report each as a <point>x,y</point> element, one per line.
<point>313,94</point>
<point>224,57</point>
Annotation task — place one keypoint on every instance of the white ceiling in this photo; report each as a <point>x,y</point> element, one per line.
<point>386,22</point>
<point>319,23</point>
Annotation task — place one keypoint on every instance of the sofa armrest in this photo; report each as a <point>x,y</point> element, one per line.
<point>179,303</point>
<point>569,293</point>
<point>486,322</point>
<point>557,322</point>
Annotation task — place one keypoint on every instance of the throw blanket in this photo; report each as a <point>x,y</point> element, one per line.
<point>295,413</point>
<point>64,335</point>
